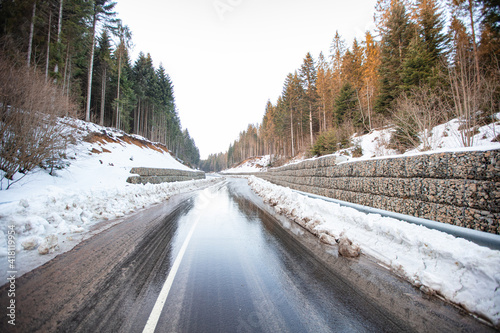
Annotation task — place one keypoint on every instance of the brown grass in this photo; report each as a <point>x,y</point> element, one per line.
<point>101,138</point>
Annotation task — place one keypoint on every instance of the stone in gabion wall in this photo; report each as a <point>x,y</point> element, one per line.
<point>158,175</point>
<point>456,188</point>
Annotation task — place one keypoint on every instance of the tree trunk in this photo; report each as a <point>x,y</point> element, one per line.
<point>324,115</point>
<point>91,68</point>
<point>368,107</point>
<point>59,27</point>
<point>59,24</point>
<point>291,128</point>
<point>136,117</point>
<point>32,29</point>
<point>48,48</point>
<point>103,97</point>
<point>474,44</point>
<point>69,78</point>
<point>311,124</point>
<point>117,116</point>
<point>65,68</point>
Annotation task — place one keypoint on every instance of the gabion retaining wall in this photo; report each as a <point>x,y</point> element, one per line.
<point>158,175</point>
<point>456,188</point>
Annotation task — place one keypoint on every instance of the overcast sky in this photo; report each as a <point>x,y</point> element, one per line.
<point>226,58</point>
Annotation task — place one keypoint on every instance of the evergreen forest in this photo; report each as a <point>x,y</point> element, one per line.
<point>83,48</point>
<point>427,62</point>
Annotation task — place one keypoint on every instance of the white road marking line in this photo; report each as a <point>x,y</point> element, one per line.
<point>160,301</point>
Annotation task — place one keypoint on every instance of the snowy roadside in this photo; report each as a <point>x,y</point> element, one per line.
<point>254,164</point>
<point>457,270</point>
<point>52,223</point>
<point>442,138</point>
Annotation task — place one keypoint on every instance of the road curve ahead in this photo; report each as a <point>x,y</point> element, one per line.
<point>209,261</point>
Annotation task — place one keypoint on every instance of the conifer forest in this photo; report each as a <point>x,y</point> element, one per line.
<point>428,61</point>
<point>83,49</point>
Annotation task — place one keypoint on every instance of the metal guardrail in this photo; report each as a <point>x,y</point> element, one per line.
<point>479,237</point>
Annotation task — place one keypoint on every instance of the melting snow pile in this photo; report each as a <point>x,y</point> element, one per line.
<point>456,269</point>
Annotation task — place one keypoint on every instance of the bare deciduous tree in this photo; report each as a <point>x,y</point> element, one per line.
<point>416,114</point>
<point>30,131</point>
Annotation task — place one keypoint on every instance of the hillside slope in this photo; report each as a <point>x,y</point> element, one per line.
<point>52,213</point>
<point>442,138</point>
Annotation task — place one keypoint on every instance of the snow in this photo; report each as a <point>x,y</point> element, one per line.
<point>254,164</point>
<point>458,270</point>
<point>51,214</point>
<point>374,145</point>
<point>442,138</point>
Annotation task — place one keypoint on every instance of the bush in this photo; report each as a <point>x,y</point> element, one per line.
<point>415,114</point>
<point>331,141</point>
<point>357,151</point>
<point>30,132</point>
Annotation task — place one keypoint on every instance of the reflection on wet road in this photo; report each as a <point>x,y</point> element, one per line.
<point>241,272</point>
<point>238,270</point>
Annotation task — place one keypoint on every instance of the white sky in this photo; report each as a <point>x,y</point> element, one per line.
<point>226,58</point>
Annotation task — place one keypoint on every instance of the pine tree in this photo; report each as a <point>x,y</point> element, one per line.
<point>144,78</point>
<point>127,100</point>
<point>352,66</point>
<point>324,87</point>
<point>467,10</point>
<point>417,66</point>
<point>124,35</point>
<point>346,107</point>
<point>268,131</point>
<point>394,46</point>
<point>431,28</point>
<point>102,10</point>
<point>337,51</point>
<point>371,73</point>
<point>103,64</point>
<point>308,76</point>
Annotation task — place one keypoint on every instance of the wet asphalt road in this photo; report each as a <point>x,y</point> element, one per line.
<point>240,272</point>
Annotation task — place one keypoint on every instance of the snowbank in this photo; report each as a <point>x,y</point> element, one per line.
<point>49,210</point>
<point>44,223</point>
<point>460,271</point>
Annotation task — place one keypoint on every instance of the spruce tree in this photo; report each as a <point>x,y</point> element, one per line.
<point>417,66</point>
<point>431,29</point>
<point>491,14</point>
<point>346,106</point>
<point>394,46</point>
<point>308,76</point>
<point>125,36</point>
<point>102,10</point>
<point>103,65</point>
